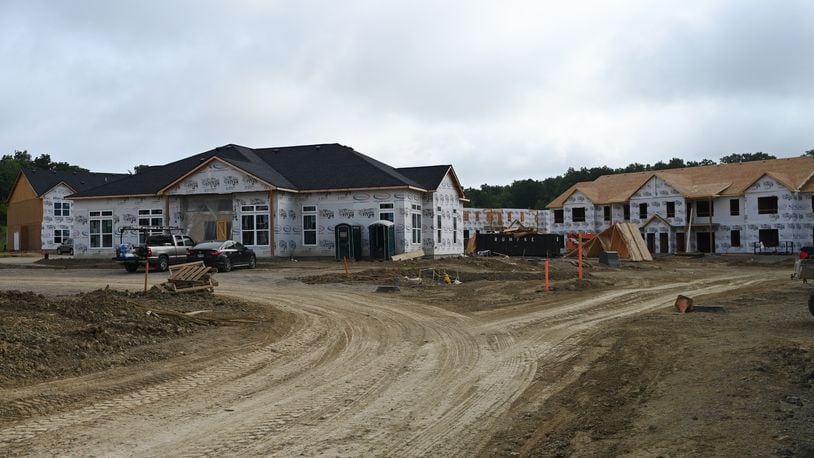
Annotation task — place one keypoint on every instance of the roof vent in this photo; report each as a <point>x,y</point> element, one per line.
<point>317,147</point>
<point>202,159</point>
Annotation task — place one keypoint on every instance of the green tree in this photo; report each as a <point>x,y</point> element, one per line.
<point>736,158</point>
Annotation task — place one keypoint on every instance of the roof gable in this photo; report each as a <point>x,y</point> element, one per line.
<point>44,180</point>
<point>216,176</point>
<point>701,182</point>
<point>431,177</point>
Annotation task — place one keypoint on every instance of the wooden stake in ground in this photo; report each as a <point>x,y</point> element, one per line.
<point>345,263</point>
<point>146,273</point>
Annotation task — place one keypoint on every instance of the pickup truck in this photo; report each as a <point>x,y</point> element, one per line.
<point>160,250</point>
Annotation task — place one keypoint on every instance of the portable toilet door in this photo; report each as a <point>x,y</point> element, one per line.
<point>343,238</point>
<point>357,242</point>
<point>382,240</point>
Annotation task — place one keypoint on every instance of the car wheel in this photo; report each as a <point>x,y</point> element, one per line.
<point>163,263</point>
<point>252,262</point>
<point>70,252</point>
<point>131,267</point>
<point>811,303</point>
<point>227,265</point>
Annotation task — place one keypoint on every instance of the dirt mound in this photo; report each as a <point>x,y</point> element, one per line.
<point>463,269</point>
<point>44,337</point>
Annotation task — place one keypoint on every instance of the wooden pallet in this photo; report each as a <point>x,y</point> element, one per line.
<point>190,277</point>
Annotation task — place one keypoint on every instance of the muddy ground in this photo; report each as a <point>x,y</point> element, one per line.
<point>736,379</point>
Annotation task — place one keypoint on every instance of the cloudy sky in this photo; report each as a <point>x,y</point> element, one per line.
<point>502,90</point>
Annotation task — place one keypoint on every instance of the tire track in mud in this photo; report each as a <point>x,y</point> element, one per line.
<point>304,335</point>
<point>356,376</point>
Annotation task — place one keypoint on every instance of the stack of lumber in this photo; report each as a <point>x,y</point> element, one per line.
<point>624,238</point>
<point>190,277</point>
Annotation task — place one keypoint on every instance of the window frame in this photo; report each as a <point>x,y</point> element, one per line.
<point>387,208</point>
<point>309,212</point>
<point>439,219</point>
<point>574,216</point>
<point>643,210</point>
<point>607,213</point>
<point>149,217</point>
<point>60,235</point>
<point>415,219</point>
<point>559,216</point>
<point>255,214</point>
<point>772,210</point>
<point>670,208</point>
<point>100,217</point>
<point>737,204</point>
<point>62,209</point>
<point>710,209</point>
<point>733,235</point>
<point>454,225</point>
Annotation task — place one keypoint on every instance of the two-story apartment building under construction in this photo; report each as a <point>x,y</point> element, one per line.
<point>728,208</point>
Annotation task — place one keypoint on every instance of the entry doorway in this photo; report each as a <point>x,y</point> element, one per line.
<point>651,242</point>
<point>664,242</point>
<point>705,241</point>
<point>681,242</point>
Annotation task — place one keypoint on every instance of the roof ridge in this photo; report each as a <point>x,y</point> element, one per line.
<point>390,170</point>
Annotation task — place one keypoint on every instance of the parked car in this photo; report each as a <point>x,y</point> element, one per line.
<point>223,254</point>
<point>66,247</point>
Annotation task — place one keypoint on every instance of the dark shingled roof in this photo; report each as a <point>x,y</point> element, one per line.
<point>300,168</point>
<point>428,177</point>
<point>43,180</point>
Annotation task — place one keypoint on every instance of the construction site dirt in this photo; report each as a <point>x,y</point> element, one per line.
<point>304,358</point>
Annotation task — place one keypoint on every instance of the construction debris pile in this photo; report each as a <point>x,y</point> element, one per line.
<point>190,277</point>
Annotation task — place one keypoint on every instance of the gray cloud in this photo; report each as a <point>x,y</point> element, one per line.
<point>502,91</point>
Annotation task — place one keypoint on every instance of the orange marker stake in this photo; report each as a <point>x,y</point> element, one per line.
<point>546,274</point>
<point>579,257</point>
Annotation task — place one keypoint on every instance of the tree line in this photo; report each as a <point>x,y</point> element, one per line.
<point>530,193</point>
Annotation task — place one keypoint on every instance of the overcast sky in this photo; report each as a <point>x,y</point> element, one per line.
<point>503,90</point>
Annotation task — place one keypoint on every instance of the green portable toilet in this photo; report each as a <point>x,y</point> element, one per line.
<point>348,241</point>
<point>382,239</point>
<point>343,238</point>
<point>356,235</point>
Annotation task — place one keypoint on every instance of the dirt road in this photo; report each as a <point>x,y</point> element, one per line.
<point>359,373</point>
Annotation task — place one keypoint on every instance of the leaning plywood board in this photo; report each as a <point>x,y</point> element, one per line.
<point>411,255</point>
<point>635,243</point>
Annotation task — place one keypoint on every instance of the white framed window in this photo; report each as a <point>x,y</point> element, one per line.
<point>416,220</point>
<point>150,217</point>
<point>254,221</point>
<point>454,226</point>
<point>101,228</point>
<point>387,212</point>
<point>309,225</point>
<point>60,235</point>
<point>439,224</point>
<point>62,209</point>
